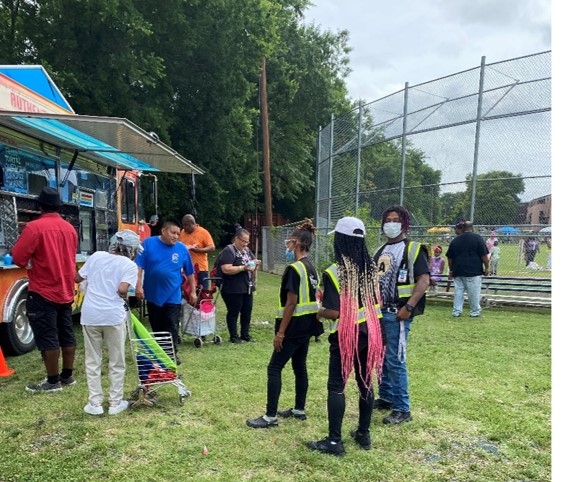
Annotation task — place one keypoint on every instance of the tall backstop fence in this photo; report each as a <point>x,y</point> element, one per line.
<point>475,145</point>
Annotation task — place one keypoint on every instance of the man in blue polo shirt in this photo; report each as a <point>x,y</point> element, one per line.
<point>163,259</point>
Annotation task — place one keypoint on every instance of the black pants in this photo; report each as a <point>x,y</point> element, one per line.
<point>336,401</point>
<point>295,349</point>
<point>238,304</point>
<point>165,318</point>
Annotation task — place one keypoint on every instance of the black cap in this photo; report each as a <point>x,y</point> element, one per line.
<point>49,197</point>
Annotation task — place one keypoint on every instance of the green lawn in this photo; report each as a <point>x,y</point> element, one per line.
<point>481,403</point>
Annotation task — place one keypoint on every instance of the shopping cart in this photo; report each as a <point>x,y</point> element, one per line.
<point>200,319</point>
<point>154,357</point>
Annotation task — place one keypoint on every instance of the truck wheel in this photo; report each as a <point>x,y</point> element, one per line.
<point>17,337</point>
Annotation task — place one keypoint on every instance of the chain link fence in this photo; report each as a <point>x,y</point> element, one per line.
<point>474,145</point>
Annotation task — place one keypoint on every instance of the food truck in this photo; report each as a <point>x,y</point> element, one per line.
<point>96,164</point>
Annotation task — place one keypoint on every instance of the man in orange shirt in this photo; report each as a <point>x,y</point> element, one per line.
<point>199,242</point>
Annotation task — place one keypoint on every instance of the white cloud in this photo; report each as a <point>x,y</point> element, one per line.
<point>419,40</point>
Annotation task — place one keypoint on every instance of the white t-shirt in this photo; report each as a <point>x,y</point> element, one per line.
<point>104,272</point>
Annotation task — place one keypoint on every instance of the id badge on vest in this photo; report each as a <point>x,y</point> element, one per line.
<point>402,278</point>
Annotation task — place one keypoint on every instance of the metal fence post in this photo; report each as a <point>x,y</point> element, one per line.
<point>477,137</point>
<point>318,203</point>
<point>359,158</point>
<point>330,170</point>
<point>404,143</point>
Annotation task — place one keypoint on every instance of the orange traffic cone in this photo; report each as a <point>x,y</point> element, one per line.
<point>4,370</point>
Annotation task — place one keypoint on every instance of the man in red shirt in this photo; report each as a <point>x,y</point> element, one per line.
<point>47,247</point>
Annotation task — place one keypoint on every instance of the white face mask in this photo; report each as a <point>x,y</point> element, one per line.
<point>392,230</point>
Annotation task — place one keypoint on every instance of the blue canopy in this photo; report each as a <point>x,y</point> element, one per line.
<point>36,78</point>
<point>507,230</point>
<point>110,141</point>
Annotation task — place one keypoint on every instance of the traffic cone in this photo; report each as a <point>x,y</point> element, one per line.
<point>4,370</point>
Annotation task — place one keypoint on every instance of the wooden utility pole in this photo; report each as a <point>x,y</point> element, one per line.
<point>265,145</point>
<point>266,164</point>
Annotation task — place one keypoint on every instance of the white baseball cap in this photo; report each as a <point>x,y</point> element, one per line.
<point>348,225</point>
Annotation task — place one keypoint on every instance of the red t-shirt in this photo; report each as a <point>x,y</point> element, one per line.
<point>49,244</point>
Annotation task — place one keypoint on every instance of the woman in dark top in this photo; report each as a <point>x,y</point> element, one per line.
<point>295,324</point>
<point>237,264</point>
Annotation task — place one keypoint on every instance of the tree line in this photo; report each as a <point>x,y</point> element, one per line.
<point>189,70</point>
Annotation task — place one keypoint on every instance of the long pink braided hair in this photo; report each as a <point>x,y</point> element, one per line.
<point>358,287</point>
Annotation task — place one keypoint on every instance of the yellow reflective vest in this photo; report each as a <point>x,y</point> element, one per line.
<point>304,304</point>
<point>404,290</point>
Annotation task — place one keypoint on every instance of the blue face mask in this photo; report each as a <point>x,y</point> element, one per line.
<point>289,256</point>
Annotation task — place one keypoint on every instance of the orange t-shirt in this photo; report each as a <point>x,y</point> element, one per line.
<point>199,238</point>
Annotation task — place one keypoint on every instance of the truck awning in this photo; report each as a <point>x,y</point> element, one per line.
<point>111,141</point>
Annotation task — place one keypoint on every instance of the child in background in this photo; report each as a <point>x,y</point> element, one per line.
<point>437,265</point>
<point>495,257</point>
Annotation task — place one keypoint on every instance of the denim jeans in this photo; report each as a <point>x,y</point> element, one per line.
<point>471,284</point>
<point>394,386</point>
<point>295,349</point>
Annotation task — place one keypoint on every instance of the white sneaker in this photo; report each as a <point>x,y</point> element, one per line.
<point>115,409</point>
<point>93,409</point>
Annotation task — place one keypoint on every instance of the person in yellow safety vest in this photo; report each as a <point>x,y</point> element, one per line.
<point>296,322</point>
<point>356,339</point>
<point>404,276</point>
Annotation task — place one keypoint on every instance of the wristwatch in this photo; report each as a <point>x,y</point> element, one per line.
<point>409,307</point>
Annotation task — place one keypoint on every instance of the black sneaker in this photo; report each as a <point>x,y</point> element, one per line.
<point>397,417</point>
<point>67,382</point>
<point>362,439</point>
<point>327,446</point>
<point>235,339</point>
<point>290,413</point>
<point>381,404</point>
<point>45,387</point>
<point>248,339</point>
<point>261,422</point>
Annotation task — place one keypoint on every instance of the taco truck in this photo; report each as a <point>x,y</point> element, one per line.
<point>96,164</point>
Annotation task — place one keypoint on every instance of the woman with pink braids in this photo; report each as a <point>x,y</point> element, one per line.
<point>356,343</point>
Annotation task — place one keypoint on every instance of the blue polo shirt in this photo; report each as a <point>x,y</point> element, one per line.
<point>163,265</point>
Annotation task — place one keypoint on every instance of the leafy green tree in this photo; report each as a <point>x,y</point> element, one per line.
<point>453,208</point>
<point>497,197</point>
<point>189,71</point>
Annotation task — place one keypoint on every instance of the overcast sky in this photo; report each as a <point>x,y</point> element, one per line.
<point>415,41</point>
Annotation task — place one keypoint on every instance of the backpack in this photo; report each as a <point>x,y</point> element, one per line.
<point>216,270</point>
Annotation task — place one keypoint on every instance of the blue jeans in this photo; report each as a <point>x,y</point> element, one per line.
<point>394,386</point>
<point>471,284</point>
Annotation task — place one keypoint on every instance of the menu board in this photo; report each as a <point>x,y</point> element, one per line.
<point>15,173</point>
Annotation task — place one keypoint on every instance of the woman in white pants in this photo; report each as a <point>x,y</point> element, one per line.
<point>107,278</point>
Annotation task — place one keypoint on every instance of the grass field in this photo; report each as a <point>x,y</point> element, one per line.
<point>481,403</point>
